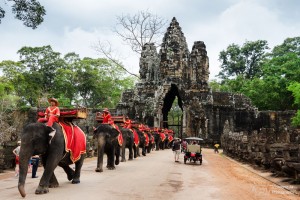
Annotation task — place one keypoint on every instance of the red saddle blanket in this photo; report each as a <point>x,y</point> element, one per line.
<point>162,136</point>
<point>170,138</point>
<point>136,139</point>
<point>75,140</point>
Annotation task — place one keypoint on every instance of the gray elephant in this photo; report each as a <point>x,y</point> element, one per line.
<point>127,143</point>
<point>107,138</point>
<point>35,140</point>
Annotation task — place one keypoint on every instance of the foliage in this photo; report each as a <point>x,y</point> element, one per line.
<point>31,12</point>
<point>268,88</point>
<point>295,89</point>
<point>42,73</point>
<point>245,60</point>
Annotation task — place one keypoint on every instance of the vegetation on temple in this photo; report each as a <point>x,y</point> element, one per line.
<point>267,78</point>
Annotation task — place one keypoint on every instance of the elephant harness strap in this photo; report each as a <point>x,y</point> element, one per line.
<point>75,141</point>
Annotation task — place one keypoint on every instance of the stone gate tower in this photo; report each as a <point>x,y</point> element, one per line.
<point>176,72</point>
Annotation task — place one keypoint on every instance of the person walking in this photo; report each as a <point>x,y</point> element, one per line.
<point>35,164</point>
<point>16,152</point>
<point>176,149</point>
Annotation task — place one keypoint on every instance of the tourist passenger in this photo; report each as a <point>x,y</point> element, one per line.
<point>16,152</point>
<point>176,149</point>
<point>106,116</point>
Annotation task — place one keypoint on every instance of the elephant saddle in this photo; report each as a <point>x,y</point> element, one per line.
<point>75,141</point>
<point>162,136</point>
<point>170,138</point>
<point>136,138</point>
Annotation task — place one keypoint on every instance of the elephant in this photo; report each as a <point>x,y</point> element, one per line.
<point>157,140</point>
<point>151,142</point>
<point>35,140</point>
<point>127,143</point>
<point>142,144</point>
<point>107,138</point>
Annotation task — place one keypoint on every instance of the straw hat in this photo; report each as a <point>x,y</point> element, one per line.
<point>105,110</point>
<point>19,142</point>
<point>54,100</point>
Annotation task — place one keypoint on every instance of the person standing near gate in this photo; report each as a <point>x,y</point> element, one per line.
<point>176,149</point>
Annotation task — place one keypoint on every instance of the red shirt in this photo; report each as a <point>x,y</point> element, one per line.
<point>52,110</point>
<point>106,118</point>
<point>127,123</point>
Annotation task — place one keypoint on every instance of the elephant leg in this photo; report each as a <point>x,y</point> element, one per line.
<point>51,164</point>
<point>117,153</point>
<point>123,153</point>
<point>78,165</point>
<point>100,159</point>
<point>138,151</point>
<point>130,154</point>
<point>53,182</point>
<point>143,151</point>
<point>111,160</point>
<point>69,171</point>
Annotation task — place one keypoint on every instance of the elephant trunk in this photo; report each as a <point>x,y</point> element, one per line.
<point>23,169</point>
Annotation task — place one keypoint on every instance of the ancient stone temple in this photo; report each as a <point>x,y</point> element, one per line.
<point>173,72</point>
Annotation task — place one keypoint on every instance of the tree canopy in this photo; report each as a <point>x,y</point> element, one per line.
<point>31,12</point>
<point>271,75</point>
<point>43,72</point>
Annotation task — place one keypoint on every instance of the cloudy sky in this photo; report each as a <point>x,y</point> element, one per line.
<point>76,25</point>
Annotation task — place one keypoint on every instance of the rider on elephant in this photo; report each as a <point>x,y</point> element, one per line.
<point>107,119</point>
<point>52,114</point>
<point>127,123</point>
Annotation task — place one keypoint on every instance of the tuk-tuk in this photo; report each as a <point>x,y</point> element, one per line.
<point>193,150</point>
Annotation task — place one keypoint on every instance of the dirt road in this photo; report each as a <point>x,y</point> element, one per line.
<point>156,176</point>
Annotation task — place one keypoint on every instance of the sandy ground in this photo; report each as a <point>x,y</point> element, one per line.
<point>157,176</point>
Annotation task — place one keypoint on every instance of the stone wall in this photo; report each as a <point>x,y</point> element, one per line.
<point>271,142</point>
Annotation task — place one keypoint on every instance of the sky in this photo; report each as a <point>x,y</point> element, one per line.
<point>77,25</point>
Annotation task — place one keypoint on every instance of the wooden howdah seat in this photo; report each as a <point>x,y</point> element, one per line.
<point>116,119</point>
<point>70,113</point>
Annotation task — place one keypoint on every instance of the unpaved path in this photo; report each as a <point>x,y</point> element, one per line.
<point>156,176</point>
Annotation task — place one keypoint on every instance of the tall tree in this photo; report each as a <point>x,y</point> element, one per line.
<point>31,12</point>
<point>295,89</point>
<point>135,30</point>
<point>245,60</point>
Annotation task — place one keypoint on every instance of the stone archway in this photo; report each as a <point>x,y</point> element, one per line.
<point>167,104</point>
<point>177,72</point>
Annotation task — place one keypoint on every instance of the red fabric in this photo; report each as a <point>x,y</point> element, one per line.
<point>42,120</point>
<point>52,110</point>
<point>120,136</point>
<point>146,139</point>
<point>128,124</point>
<point>136,137</point>
<point>41,114</point>
<point>170,138</point>
<point>75,141</point>
<point>106,118</point>
<point>17,160</point>
<point>71,112</point>
<point>152,139</point>
<point>51,120</point>
<point>162,136</point>
<point>120,139</point>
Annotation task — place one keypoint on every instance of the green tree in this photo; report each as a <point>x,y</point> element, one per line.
<point>243,61</point>
<point>31,12</point>
<point>289,45</point>
<point>295,89</point>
